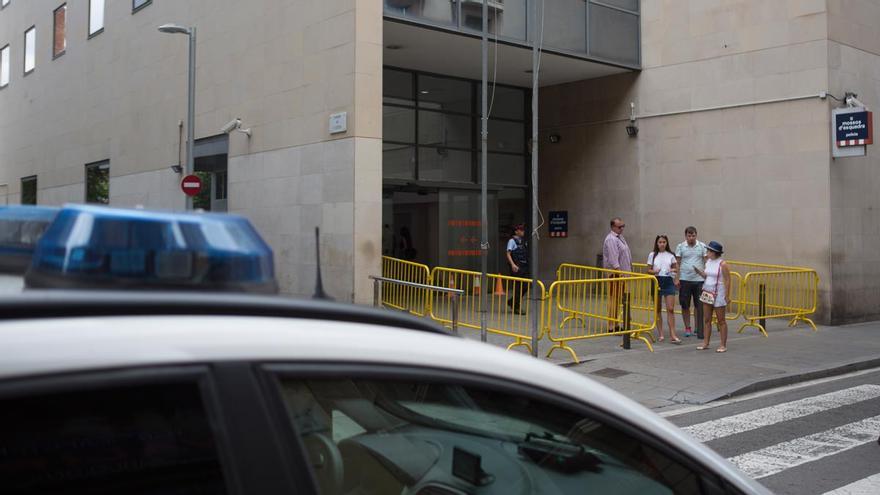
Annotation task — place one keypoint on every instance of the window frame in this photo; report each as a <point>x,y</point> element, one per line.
<point>24,62</point>
<point>137,8</point>
<point>55,55</point>
<point>5,60</point>
<point>92,34</point>
<point>22,181</point>
<point>198,375</point>
<point>271,375</point>
<point>95,165</point>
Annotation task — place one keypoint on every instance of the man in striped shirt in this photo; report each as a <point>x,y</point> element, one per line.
<point>615,256</point>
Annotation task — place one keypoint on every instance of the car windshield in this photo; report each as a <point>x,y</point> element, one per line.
<point>468,439</point>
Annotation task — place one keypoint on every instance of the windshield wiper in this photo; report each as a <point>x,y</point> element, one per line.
<point>559,455</point>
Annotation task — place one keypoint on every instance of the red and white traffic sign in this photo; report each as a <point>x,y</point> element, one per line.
<point>191,185</point>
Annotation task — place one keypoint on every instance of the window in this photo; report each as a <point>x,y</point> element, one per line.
<point>137,439</point>
<point>137,5</point>
<point>98,182</point>
<point>4,66</point>
<point>29,190</point>
<point>59,39</point>
<point>384,436</point>
<point>3,3</point>
<point>30,50</point>
<point>96,17</point>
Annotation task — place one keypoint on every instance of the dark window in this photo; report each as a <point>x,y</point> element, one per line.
<point>375,436</point>
<point>137,5</point>
<point>29,190</point>
<point>4,66</point>
<point>147,439</point>
<point>98,182</point>
<point>445,94</point>
<point>445,129</point>
<point>30,50</point>
<point>220,185</point>
<point>59,38</point>
<point>96,17</point>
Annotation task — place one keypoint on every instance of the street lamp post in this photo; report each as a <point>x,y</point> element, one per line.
<point>191,97</point>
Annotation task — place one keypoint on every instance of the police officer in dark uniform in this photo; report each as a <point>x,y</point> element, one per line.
<point>518,259</point>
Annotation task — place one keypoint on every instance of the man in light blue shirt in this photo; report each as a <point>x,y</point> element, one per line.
<point>690,254</point>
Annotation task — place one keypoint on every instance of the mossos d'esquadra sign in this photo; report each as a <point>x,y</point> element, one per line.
<point>851,130</point>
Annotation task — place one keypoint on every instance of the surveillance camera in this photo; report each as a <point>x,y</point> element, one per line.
<point>231,126</point>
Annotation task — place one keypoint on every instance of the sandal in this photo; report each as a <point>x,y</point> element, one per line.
<point>703,347</point>
<point>660,339</point>
<point>721,349</point>
<point>676,341</point>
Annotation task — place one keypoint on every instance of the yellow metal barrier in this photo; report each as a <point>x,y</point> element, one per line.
<point>599,307</point>
<point>643,300</point>
<point>774,291</point>
<point>510,305</point>
<point>411,299</point>
<point>734,303</point>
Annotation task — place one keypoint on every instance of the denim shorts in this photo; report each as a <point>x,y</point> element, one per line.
<point>667,286</point>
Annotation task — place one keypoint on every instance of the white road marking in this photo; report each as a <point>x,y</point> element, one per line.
<point>773,391</point>
<point>759,418</point>
<point>866,486</point>
<point>786,455</point>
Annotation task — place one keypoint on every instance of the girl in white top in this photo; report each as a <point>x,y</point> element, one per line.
<point>662,264</point>
<point>717,276</point>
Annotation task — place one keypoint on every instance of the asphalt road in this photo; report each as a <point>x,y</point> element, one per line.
<point>815,439</point>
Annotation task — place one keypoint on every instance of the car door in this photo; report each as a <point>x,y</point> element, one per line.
<point>155,430</point>
<point>392,429</point>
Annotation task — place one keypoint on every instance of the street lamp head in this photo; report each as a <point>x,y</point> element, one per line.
<point>174,28</point>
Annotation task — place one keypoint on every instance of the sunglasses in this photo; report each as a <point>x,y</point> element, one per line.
<point>621,226</point>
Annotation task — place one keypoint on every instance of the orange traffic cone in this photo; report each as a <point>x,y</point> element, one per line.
<point>476,287</point>
<point>499,287</point>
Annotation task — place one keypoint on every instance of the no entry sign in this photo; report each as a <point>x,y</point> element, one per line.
<point>191,185</point>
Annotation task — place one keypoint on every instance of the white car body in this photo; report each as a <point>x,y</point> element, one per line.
<point>40,347</point>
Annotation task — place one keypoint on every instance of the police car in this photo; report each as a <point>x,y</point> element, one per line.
<point>155,392</point>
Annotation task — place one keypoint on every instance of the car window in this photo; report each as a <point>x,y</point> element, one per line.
<point>377,436</point>
<point>150,439</point>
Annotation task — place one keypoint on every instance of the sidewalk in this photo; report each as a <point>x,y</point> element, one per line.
<point>675,375</point>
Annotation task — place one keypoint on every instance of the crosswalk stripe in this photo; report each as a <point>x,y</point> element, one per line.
<point>866,486</point>
<point>777,458</point>
<point>759,418</point>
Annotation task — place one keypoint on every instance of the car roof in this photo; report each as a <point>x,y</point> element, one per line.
<point>49,333</point>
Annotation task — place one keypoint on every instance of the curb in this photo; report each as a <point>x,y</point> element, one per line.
<point>791,379</point>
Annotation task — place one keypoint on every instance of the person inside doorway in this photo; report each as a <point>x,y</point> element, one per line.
<point>518,260</point>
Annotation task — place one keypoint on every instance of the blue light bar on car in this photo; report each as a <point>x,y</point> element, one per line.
<point>20,228</point>
<point>100,247</point>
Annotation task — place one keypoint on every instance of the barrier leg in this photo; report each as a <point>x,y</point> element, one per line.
<point>520,342</point>
<point>641,336</point>
<point>751,323</point>
<point>794,321</point>
<point>563,346</point>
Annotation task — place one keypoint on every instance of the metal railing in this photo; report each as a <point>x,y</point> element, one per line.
<point>734,302</point>
<point>452,294</point>
<point>412,298</point>
<point>601,307</point>
<point>509,303</point>
<point>775,291</point>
